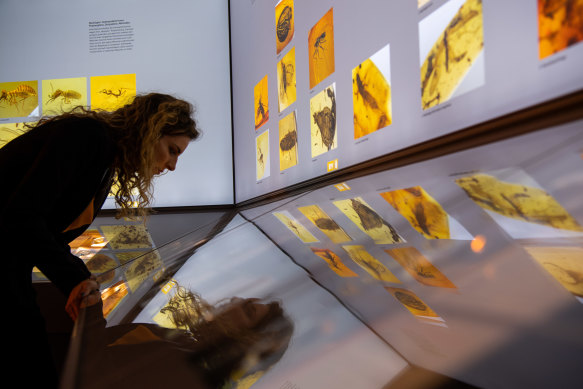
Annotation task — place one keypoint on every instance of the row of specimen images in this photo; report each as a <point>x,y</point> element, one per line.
<point>112,250</point>
<point>513,199</point>
<point>21,98</point>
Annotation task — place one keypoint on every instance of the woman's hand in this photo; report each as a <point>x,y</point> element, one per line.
<point>86,293</point>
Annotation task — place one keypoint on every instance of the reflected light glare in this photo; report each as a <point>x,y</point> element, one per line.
<point>478,243</point>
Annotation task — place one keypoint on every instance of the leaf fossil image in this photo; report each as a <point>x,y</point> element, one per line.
<point>325,119</point>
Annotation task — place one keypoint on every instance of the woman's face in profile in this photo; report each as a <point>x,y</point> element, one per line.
<point>244,313</point>
<point>166,152</point>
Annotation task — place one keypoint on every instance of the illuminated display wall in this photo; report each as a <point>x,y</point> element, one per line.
<point>323,85</point>
<point>62,53</point>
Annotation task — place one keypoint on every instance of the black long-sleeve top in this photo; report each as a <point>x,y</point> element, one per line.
<point>49,176</point>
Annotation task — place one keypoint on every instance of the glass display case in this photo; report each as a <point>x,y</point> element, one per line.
<point>467,266</point>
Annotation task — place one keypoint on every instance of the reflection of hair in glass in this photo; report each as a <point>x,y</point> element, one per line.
<point>225,349</point>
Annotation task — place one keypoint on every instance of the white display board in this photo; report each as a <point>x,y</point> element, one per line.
<point>446,64</point>
<point>179,47</point>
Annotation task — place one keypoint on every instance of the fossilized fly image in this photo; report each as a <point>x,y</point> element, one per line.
<point>62,95</point>
<point>368,220</point>
<point>284,23</point>
<point>371,94</point>
<point>334,262</point>
<point>18,99</point>
<point>323,121</point>
<point>288,141</point>
<point>451,41</point>
<point>295,226</point>
<point>286,80</point>
<point>262,155</point>
<point>419,267</point>
<point>560,25</point>
<point>261,105</point>
<point>321,49</point>
<point>370,264</point>
<point>325,223</point>
<point>109,93</point>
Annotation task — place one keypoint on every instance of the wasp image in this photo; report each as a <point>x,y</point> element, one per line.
<point>262,111</point>
<point>17,95</point>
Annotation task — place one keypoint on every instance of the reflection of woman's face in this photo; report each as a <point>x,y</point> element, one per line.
<point>166,152</point>
<point>244,313</point>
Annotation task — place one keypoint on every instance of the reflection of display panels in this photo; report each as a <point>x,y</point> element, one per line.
<point>485,310</point>
<point>504,76</point>
<point>326,336</point>
<point>178,47</point>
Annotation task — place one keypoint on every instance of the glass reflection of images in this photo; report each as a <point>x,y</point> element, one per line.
<point>9,131</point>
<point>325,223</point>
<point>371,94</point>
<point>370,264</point>
<point>140,267</point>
<point>334,262</point>
<point>560,25</point>
<point>415,305</point>
<point>261,102</point>
<point>262,155</point>
<point>321,49</point>
<point>288,141</point>
<point>62,95</point>
<point>323,121</point>
<point>109,93</point>
<point>419,267</point>
<point>284,23</point>
<point>564,264</point>
<point>18,99</point>
<point>451,41</point>
<point>369,221</point>
<point>286,79</point>
<point>133,236</point>
<point>519,205</point>
<point>295,226</point>
<point>425,214</point>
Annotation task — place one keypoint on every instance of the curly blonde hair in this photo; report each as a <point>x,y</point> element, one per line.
<point>136,128</point>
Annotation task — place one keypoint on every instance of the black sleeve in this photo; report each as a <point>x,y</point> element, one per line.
<point>52,174</point>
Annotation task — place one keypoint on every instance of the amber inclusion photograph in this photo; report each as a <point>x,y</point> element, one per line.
<point>284,24</point>
<point>334,262</point>
<point>9,131</point>
<point>419,267</point>
<point>288,141</point>
<point>371,94</point>
<point>321,49</point>
<point>121,237</point>
<point>261,103</point>
<point>286,80</point>
<point>292,224</point>
<point>262,155</point>
<point>370,264</point>
<point>451,40</point>
<point>519,204</point>
<point>323,132</point>
<point>369,221</point>
<point>63,94</point>
<point>19,99</point>
<point>109,93</point>
<point>560,25</point>
<point>325,223</point>
<point>415,305</point>
<point>563,263</point>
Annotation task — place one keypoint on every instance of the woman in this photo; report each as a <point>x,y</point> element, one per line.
<point>213,347</point>
<point>55,179</point>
